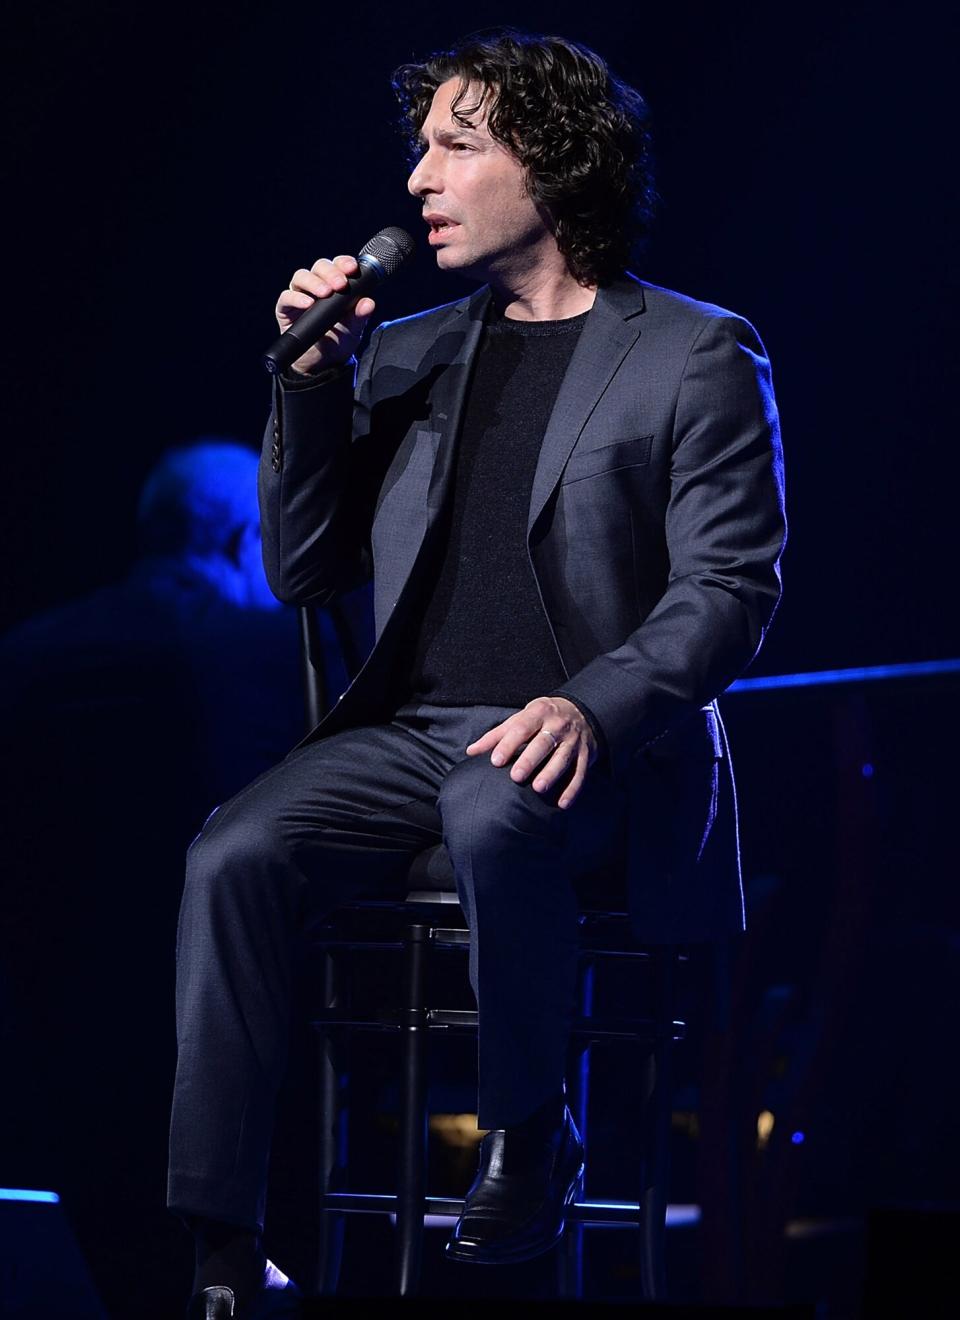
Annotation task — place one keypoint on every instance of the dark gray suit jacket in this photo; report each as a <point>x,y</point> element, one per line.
<point>655,528</point>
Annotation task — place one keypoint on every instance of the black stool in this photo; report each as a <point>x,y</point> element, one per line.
<point>431,918</point>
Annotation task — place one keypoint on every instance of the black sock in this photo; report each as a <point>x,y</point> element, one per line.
<point>228,1255</point>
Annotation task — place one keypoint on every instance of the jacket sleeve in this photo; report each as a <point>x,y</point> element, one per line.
<point>725,530</point>
<point>316,486</point>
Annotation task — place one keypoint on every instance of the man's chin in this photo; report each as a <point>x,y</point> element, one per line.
<point>460,263</point>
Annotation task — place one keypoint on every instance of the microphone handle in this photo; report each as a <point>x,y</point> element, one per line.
<point>314,323</point>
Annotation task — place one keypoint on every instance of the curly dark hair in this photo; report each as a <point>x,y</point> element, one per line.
<point>580,133</point>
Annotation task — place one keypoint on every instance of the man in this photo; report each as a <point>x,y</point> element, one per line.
<point>567,489</point>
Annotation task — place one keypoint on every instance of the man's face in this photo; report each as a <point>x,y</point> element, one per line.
<point>482,221</point>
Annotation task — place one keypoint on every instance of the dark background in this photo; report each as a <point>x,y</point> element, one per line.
<point>172,169</point>
<point>169,169</point>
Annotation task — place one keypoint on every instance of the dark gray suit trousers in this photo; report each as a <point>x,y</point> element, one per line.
<point>342,817</point>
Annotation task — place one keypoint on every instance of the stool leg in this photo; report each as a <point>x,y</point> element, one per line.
<point>657,1108</point>
<point>412,1171</point>
<point>570,1255</point>
<point>333,1137</point>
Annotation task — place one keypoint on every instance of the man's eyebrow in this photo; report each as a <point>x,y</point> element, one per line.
<point>447,134</point>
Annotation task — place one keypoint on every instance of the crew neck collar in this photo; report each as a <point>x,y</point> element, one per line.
<point>501,324</point>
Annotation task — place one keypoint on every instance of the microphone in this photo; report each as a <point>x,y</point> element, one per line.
<point>385,253</point>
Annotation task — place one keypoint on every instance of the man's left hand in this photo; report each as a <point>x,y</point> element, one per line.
<point>558,739</point>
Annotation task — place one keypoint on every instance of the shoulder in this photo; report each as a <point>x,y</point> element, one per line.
<point>676,326</point>
<point>661,304</point>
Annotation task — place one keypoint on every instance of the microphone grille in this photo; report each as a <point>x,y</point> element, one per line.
<point>390,247</point>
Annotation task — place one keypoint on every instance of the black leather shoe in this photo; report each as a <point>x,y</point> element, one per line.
<point>516,1207</point>
<point>276,1296</point>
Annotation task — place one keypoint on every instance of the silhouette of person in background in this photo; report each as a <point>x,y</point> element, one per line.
<point>128,715</point>
<point>191,630</point>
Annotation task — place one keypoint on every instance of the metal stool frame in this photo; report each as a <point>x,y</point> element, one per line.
<point>425,924</point>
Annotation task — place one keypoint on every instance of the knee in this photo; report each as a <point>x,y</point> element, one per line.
<point>486,812</point>
<point>231,859</point>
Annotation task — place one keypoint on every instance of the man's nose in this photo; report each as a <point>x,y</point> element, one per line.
<point>424,178</point>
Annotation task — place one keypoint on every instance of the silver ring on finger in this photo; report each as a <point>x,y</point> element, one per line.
<point>552,737</point>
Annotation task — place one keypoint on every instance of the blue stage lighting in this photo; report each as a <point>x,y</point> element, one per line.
<point>868,674</point>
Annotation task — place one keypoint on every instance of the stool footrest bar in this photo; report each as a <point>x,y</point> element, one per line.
<point>583,1212</point>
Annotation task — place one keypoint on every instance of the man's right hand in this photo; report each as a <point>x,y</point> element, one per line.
<point>323,279</point>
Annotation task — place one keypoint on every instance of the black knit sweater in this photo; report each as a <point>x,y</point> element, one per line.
<point>483,637</point>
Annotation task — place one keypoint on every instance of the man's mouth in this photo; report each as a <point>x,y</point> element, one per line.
<point>438,223</point>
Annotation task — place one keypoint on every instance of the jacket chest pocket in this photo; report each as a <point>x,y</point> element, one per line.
<point>634,452</point>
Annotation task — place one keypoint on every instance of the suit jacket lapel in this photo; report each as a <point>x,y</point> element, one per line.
<point>428,468</point>
<point>453,354</point>
<point>610,331</point>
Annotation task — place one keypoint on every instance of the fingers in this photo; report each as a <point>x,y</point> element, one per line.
<point>543,745</point>
<point>543,728</point>
<point>538,743</point>
<point>504,739</point>
<point>564,770</point>
<point>557,762</point>
<point>562,751</point>
<point>363,309</point>
<point>568,795</point>
<point>324,279</point>
<point>487,741</point>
